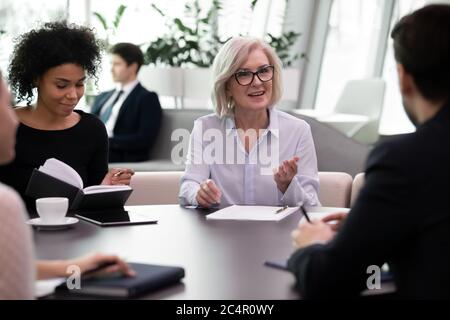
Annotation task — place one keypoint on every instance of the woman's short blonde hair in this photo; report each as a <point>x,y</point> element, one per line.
<point>229,59</point>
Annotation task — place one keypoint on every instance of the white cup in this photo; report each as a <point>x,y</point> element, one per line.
<point>52,210</point>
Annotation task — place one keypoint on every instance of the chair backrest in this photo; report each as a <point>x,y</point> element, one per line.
<point>335,151</point>
<point>362,97</point>
<point>174,120</point>
<point>163,188</point>
<point>335,189</point>
<point>358,183</point>
<point>155,188</point>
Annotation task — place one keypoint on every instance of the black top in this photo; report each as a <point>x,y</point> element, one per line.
<point>137,125</point>
<point>84,147</point>
<point>402,216</point>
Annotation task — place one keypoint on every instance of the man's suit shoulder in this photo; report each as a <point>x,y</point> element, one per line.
<point>148,92</point>
<point>143,92</point>
<point>396,151</point>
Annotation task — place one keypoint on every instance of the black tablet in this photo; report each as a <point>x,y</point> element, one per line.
<point>114,217</point>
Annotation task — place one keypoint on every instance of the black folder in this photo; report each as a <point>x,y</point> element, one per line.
<point>148,278</point>
<point>42,185</point>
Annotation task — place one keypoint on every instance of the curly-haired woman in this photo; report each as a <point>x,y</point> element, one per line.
<point>55,60</point>
<point>18,269</point>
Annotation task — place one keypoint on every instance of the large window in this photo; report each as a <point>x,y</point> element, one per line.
<point>394,119</point>
<point>18,16</point>
<point>142,24</point>
<point>350,47</point>
<point>139,24</point>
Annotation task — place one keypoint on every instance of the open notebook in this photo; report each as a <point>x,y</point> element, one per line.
<point>62,171</point>
<point>57,179</point>
<point>253,213</point>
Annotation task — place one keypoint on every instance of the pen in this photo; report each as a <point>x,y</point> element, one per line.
<point>281,265</point>
<point>281,209</point>
<point>305,214</point>
<point>118,173</point>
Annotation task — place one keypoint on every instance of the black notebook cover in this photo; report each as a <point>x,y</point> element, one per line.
<point>100,201</point>
<point>42,185</point>
<point>148,278</point>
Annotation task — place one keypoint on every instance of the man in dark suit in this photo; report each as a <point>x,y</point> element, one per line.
<point>132,114</point>
<point>402,215</point>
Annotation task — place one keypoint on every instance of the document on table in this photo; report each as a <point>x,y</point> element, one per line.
<point>252,213</point>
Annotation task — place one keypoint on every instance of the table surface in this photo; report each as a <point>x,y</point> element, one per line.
<point>222,259</point>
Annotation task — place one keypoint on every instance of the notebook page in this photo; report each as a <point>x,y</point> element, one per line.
<point>62,171</point>
<point>105,188</point>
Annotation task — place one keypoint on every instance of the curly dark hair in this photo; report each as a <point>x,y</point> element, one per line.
<point>56,43</point>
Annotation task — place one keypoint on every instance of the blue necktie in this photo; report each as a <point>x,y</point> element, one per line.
<point>104,116</point>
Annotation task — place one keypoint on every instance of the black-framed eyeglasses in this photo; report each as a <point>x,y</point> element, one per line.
<point>245,77</point>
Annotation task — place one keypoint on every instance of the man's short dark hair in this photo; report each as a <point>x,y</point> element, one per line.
<point>422,46</point>
<point>129,52</point>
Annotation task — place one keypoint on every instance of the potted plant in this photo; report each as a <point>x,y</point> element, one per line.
<point>190,48</point>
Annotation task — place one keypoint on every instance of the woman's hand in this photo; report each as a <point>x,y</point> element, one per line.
<point>118,176</point>
<point>96,260</point>
<point>286,172</point>
<point>209,194</point>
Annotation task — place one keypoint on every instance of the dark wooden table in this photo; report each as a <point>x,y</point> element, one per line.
<point>222,259</point>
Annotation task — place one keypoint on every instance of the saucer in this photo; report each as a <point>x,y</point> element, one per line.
<point>66,223</point>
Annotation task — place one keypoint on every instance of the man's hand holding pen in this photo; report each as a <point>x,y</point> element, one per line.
<point>317,231</point>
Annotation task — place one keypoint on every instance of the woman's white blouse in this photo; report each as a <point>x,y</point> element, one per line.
<point>216,152</point>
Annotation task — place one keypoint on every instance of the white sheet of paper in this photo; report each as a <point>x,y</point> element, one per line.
<point>43,288</point>
<point>253,213</point>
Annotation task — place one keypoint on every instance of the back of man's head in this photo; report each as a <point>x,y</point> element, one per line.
<point>422,46</point>
<point>129,52</point>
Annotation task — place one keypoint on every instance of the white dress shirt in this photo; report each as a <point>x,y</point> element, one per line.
<point>216,152</point>
<point>110,124</point>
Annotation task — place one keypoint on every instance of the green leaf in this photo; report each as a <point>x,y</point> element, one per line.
<point>119,13</point>
<point>154,7</point>
<point>253,4</point>
<point>101,19</point>
<point>182,27</point>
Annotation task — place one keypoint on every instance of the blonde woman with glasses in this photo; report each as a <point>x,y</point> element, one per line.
<point>249,152</point>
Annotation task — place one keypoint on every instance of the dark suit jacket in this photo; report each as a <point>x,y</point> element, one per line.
<point>137,124</point>
<point>402,216</point>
